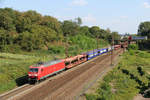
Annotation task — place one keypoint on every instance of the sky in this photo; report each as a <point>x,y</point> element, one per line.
<point>123,16</point>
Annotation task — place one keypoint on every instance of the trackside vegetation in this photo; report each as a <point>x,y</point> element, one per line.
<point>130,77</point>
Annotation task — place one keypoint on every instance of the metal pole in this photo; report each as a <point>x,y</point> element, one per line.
<point>66,46</point>
<point>97,42</point>
<point>124,44</point>
<point>112,49</point>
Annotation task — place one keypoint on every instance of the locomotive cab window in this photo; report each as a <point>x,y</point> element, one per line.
<point>33,70</point>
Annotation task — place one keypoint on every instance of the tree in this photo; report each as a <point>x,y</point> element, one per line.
<point>103,34</point>
<point>95,31</point>
<point>25,41</point>
<point>33,16</point>
<point>78,21</point>
<point>70,28</point>
<point>3,37</point>
<point>22,23</point>
<point>108,30</point>
<point>6,19</point>
<point>84,30</point>
<point>144,29</point>
<point>52,23</point>
<point>116,37</point>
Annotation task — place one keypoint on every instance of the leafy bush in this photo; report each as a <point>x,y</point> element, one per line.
<point>11,48</point>
<point>145,44</point>
<point>91,97</point>
<point>56,49</point>
<point>133,47</point>
<point>143,55</point>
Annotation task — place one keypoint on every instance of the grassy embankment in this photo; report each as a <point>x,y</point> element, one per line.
<point>130,77</point>
<point>14,67</point>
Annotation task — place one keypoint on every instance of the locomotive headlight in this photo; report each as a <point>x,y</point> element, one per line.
<point>32,74</point>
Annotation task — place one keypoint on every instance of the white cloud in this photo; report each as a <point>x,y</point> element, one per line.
<point>146,5</point>
<point>89,19</point>
<point>79,2</point>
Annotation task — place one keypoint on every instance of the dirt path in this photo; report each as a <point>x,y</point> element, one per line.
<point>140,97</point>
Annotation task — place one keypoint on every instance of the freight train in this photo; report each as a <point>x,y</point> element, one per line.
<point>42,70</point>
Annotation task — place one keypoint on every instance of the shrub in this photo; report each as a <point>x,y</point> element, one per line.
<point>56,49</point>
<point>10,48</point>
<point>133,46</point>
<point>91,97</point>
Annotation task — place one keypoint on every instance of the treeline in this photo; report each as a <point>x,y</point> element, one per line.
<point>144,30</point>
<point>28,31</point>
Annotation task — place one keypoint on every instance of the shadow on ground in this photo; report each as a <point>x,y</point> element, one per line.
<point>22,80</point>
<point>144,89</point>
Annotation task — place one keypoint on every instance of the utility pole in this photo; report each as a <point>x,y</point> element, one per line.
<point>97,42</point>
<point>125,45</point>
<point>66,46</point>
<point>112,49</point>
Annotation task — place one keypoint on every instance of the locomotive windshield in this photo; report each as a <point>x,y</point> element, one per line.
<point>33,69</point>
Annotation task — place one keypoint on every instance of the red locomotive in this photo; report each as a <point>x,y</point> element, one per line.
<point>43,70</point>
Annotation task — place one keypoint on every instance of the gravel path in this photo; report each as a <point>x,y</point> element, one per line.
<point>140,97</point>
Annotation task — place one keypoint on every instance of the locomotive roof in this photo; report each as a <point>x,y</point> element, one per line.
<point>45,64</point>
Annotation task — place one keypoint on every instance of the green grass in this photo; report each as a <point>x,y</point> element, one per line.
<point>126,80</point>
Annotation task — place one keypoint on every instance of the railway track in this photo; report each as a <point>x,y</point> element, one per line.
<point>11,94</point>
<point>60,86</point>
